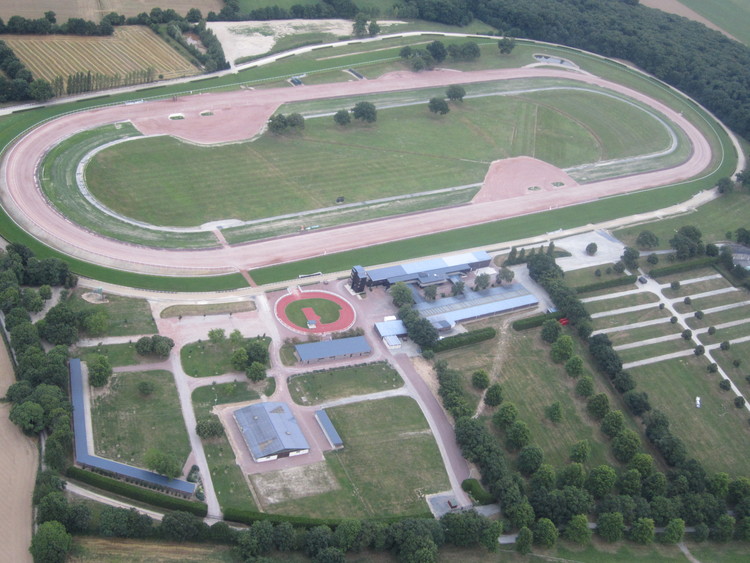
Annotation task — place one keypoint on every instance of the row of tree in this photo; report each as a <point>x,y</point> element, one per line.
<point>46,25</point>
<point>436,52</point>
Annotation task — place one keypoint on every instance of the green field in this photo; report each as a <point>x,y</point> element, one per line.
<point>654,350</point>
<point>621,302</point>
<point>118,354</point>
<point>713,319</point>
<point>730,15</point>
<point>127,315</point>
<point>695,288</point>
<point>205,358</point>
<point>631,317</point>
<point>407,151</point>
<point>231,487</point>
<point>643,333</point>
<point>717,434</point>
<point>127,424</point>
<point>212,309</point>
<point>327,310</point>
<point>319,387</point>
<point>375,482</point>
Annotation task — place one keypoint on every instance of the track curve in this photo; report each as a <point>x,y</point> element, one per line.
<point>242,114</point>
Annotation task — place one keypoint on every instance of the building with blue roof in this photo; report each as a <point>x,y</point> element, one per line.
<point>333,349</point>
<point>270,431</point>
<point>423,272</point>
<point>329,429</point>
<point>86,458</point>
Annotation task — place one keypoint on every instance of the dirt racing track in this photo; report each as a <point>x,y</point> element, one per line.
<point>242,114</point>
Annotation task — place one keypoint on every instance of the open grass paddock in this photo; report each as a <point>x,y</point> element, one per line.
<point>389,462</point>
<point>319,387</point>
<point>205,358</point>
<point>127,424</point>
<point>407,151</point>
<point>717,434</point>
<point>127,315</point>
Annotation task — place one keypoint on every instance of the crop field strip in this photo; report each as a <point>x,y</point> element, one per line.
<point>131,48</point>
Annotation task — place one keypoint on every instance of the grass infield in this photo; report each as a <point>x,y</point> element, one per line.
<point>327,310</point>
<point>318,387</point>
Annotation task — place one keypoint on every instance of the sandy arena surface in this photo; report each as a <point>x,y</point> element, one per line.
<point>675,7</point>
<point>239,115</point>
<point>250,38</point>
<point>18,467</point>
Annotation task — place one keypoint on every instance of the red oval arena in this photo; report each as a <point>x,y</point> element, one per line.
<point>314,312</point>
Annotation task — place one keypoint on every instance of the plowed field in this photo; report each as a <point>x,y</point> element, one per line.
<point>131,48</point>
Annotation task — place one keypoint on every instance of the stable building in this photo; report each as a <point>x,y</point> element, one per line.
<point>336,349</point>
<point>423,272</point>
<point>270,431</point>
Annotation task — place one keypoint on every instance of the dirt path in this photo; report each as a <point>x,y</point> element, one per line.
<point>18,464</point>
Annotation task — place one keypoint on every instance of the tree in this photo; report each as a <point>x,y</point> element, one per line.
<point>524,541</point>
<point>40,90</point>
<point>123,523</point>
<point>613,423</point>
<point>401,294</point>
<point>342,117</point>
<point>455,93</point>
<point>581,451</point>
<point>239,359</point>
<point>438,105</point>
<point>598,406</point>
<point>506,45</point>
<point>146,387</point>
<point>359,28</point>
<point>365,111</point>
<point>458,288</point>
<point>562,349</point>
<point>630,257</point>
<point>529,459</point>
<point>256,372</point>
<point>585,386</point>
<point>647,239</point>
<point>494,395</point>
<point>330,555</point>
<point>100,370</point>
<point>625,445</point>
<point>182,526</point>
<point>209,427</point>
<point>437,50</point>
<point>283,536</point>
<point>518,435</point>
<point>687,242</point>
<point>480,379</point>
<point>505,416</point>
<point>277,123</point>
<point>551,330</point>
<point>51,543</point>
<point>642,531</point>
<point>317,539</point>
<point>217,335</point>
<point>572,475</point>
<point>482,281</point>
<point>163,463</point>
<point>600,481</point>
<point>545,533</point>
<point>610,526</point>
<point>574,366</point>
<point>673,532</point>
<point>629,483</point>
<point>591,248</point>
<point>505,275</point>
<point>554,412</point>
<point>577,530</point>
<point>373,28</point>
<point>53,506</point>
<point>295,121</point>
<point>29,416</point>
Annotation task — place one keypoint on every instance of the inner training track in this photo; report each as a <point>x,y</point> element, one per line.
<point>242,114</point>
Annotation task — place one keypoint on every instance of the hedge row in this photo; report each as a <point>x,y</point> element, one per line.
<point>137,493</point>
<point>249,516</point>
<point>535,321</point>
<point>683,266</point>
<point>464,339</point>
<point>477,491</point>
<point>614,282</point>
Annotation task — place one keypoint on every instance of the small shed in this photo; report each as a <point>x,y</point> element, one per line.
<point>391,332</point>
<point>329,429</point>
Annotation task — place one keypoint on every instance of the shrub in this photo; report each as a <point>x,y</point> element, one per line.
<point>494,395</point>
<point>480,379</point>
<point>712,330</point>
<point>687,301</point>
<point>712,367</point>
<point>585,387</point>
<point>146,387</point>
<point>673,320</point>
<point>477,492</point>
<point>687,334</point>
<point>699,315</point>
<point>739,402</point>
<point>464,339</point>
<point>725,345</point>
<point>554,412</point>
<point>725,385</point>
<point>699,350</point>
<point>591,248</point>
<point>675,285</point>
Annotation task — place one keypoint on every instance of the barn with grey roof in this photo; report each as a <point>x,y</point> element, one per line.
<point>270,431</point>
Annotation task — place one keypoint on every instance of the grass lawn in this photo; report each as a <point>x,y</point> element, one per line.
<point>374,479</point>
<point>689,275</point>
<point>127,423</point>
<point>726,358</point>
<point>319,387</point>
<point>205,358</point>
<point>729,333</point>
<point>231,487</point>
<point>212,309</point>
<point>630,318</point>
<point>711,301</point>
<point>653,350</point>
<point>327,310</point>
<point>644,333</point>
<point>695,288</point>
<point>621,302</point>
<point>127,315</point>
<point>734,314</point>
<point>585,276</point>
<point>717,434</point>
<point>118,354</point>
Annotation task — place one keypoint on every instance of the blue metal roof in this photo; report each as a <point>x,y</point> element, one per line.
<point>477,303</point>
<point>391,328</point>
<point>328,428</point>
<point>81,442</point>
<point>436,268</point>
<point>332,348</point>
<point>270,429</point>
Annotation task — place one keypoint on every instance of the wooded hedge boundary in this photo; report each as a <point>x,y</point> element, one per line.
<point>535,321</point>
<point>464,339</point>
<point>605,284</point>
<point>137,493</point>
<point>683,266</point>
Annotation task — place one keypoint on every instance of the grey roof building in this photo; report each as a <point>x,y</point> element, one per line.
<point>329,429</point>
<point>270,431</point>
<point>337,348</point>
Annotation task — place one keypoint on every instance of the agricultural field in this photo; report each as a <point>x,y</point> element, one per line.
<point>407,151</point>
<point>367,478</point>
<point>127,424</point>
<point>230,485</point>
<point>126,315</point>
<point>95,9</point>
<point>717,434</point>
<point>319,387</point>
<point>130,49</point>
<point>729,15</point>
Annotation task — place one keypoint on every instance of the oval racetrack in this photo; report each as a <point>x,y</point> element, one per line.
<point>242,114</point>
